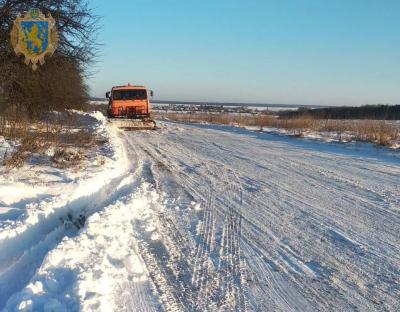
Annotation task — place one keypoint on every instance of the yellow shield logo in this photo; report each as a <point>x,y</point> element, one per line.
<point>34,36</point>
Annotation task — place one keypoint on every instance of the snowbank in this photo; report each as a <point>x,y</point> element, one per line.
<point>40,205</point>
<point>97,270</point>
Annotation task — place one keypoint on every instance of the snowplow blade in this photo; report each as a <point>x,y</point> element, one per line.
<point>133,124</point>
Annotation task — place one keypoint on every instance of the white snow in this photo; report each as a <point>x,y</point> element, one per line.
<point>97,270</point>
<point>324,136</point>
<point>35,218</point>
<point>16,191</point>
<point>206,218</point>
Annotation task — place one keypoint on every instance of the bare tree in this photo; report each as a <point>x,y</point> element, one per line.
<point>60,83</point>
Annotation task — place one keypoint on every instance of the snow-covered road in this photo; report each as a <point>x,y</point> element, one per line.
<point>287,225</point>
<point>208,218</point>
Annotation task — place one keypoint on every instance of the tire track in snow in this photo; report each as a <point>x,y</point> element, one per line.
<point>311,198</point>
<point>165,156</point>
<point>206,289</point>
<point>322,217</point>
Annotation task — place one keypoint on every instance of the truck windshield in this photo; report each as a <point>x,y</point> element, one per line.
<point>130,95</point>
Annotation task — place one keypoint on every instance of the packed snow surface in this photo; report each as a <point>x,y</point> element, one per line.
<point>208,218</point>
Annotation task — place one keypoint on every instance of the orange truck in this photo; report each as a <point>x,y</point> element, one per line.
<point>129,107</point>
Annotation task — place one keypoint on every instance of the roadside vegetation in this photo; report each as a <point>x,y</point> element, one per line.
<point>35,106</point>
<point>63,139</point>
<point>380,132</point>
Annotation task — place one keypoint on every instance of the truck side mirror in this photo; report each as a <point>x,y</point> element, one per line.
<point>108,95</point>
<point>151,93</point>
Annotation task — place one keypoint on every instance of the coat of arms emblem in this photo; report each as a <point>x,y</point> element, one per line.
<point>35,36</point>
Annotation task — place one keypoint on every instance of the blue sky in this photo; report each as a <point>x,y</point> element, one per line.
<point>336,52</point>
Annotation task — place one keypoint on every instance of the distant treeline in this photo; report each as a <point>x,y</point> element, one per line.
<point>381,112</point>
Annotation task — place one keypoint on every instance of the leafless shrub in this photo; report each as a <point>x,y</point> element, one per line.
<point>64,157</point>
<point>98,107</point>
<point>17,160</point>
<point>29,145</point>
<point>58,132</point>
<point>81,139</point>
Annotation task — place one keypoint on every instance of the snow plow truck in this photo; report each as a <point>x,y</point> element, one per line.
<point>129,107</point>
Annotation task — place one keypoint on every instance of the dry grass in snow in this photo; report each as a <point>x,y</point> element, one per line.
<point>380,132</point>
<point>61,139</point>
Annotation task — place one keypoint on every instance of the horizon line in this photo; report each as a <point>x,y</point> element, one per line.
<point>256,104</point>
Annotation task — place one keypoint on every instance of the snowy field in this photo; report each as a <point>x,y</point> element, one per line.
<point>326,136</point>
<point>205,218</point>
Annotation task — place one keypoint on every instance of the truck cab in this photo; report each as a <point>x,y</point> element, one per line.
<point>131,102</point>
